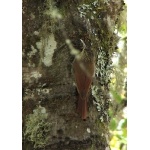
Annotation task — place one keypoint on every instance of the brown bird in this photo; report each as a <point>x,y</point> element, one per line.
<point>84,69</point>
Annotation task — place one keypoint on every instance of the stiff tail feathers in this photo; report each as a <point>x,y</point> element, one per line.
<point>82,107</point>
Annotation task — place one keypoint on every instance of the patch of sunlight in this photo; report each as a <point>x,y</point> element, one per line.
<point>125,112</point>
<point>114,143</point>
<point>120,44</point>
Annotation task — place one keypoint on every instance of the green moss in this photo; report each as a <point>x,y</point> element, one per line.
<point>37,127</point>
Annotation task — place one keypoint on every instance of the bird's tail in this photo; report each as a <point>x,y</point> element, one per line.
<point>82,107</point>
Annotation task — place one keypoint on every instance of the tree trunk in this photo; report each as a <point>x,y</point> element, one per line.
<point>50,120</point>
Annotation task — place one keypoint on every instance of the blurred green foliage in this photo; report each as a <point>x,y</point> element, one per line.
<point>117,111</point>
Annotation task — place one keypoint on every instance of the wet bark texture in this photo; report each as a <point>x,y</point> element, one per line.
<point>48,80</point>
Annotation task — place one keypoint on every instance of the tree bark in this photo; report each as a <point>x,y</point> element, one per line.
<point>49,91</point>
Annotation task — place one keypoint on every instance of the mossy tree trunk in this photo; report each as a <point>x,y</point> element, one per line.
<point>50,120</point>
